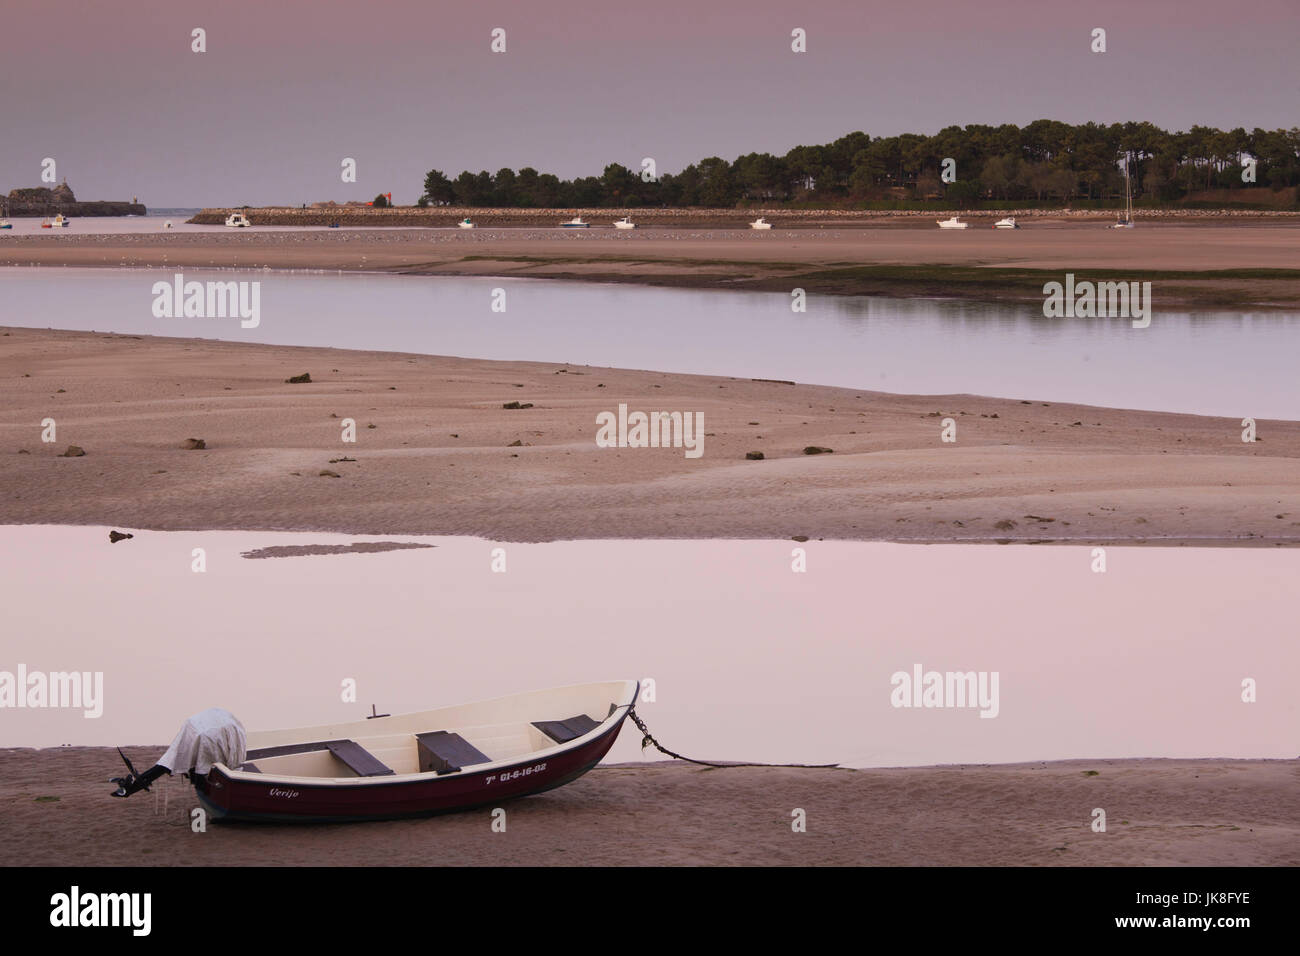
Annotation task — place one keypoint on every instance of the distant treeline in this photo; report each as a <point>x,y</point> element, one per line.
<point>1046,161</point>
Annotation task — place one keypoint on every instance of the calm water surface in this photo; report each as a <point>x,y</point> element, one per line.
<point>1228,364</point>
<point>751,661</point>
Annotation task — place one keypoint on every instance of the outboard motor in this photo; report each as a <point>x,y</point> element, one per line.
<point>210,737</point>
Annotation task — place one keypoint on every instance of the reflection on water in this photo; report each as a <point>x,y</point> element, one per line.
<point>1216,364</point>
<point>751,661</point>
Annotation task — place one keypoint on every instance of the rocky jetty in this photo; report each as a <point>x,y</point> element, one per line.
<point>41,201</point>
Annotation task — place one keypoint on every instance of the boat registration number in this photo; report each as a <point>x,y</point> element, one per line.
<point>514,774</point>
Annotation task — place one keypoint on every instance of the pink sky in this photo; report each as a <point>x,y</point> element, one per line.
<point>288,89</point>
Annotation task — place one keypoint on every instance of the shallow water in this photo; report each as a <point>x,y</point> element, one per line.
<point>751,661</point>
<point>1228,364</point>
<point>131,225</point>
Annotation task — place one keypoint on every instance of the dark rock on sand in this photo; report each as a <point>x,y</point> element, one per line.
<point>299,379</point>
<point>753,456</point>
<point>817,450</point>
<point>115,536</point>
<point>305,550</point>
<point>74,451</point>
<point>517,405</point>
<point>191,444</point>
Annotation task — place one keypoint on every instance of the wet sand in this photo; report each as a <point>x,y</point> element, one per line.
<point>445,457</point>
<point>1158,813</point>
<point>1245,264</point>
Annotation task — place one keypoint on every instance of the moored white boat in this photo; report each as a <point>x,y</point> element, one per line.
<point>417,764</point>
<point>1008,223</point>
<point>6,224</point>
<point>624,223</point>
<point>760,223</point>
<point>953,223</point>
<point>237,220</point>
<point>575,223</point>
<point>465,223</point>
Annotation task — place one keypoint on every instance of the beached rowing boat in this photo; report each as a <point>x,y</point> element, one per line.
<point>420,764</point>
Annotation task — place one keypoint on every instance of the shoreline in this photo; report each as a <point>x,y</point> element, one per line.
<point>1174,812</point>
<point>696,218</point>
<point>446,458</point>
<point>1217,266</point>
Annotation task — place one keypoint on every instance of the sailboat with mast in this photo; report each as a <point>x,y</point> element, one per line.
<point>1127,221</point>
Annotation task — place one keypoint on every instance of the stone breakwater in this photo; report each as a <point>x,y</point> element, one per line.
<point>445,217</point>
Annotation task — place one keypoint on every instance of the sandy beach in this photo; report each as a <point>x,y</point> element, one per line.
<point>55,809</point>
<point>1234,265</point>
<point>437,452</point>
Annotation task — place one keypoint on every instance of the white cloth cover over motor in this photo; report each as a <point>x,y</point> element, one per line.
<point>210,737</point>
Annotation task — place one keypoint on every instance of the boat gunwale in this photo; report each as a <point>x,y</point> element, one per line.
<point>610,723</point>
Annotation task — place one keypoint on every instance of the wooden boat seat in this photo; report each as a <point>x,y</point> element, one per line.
<point>444,752</point>
<point>354,756</point>
<point>571,728</point>
<point>358,759</point>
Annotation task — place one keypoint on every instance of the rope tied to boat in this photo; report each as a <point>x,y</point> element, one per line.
<point>648,740</point>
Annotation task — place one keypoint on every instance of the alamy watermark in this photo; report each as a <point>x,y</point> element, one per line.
<point>209,300</point>
<point>1098,300</point>
<point>75,908</point>
<point>56,690</point>
<point>949,689</point>
<point>651,430</point>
